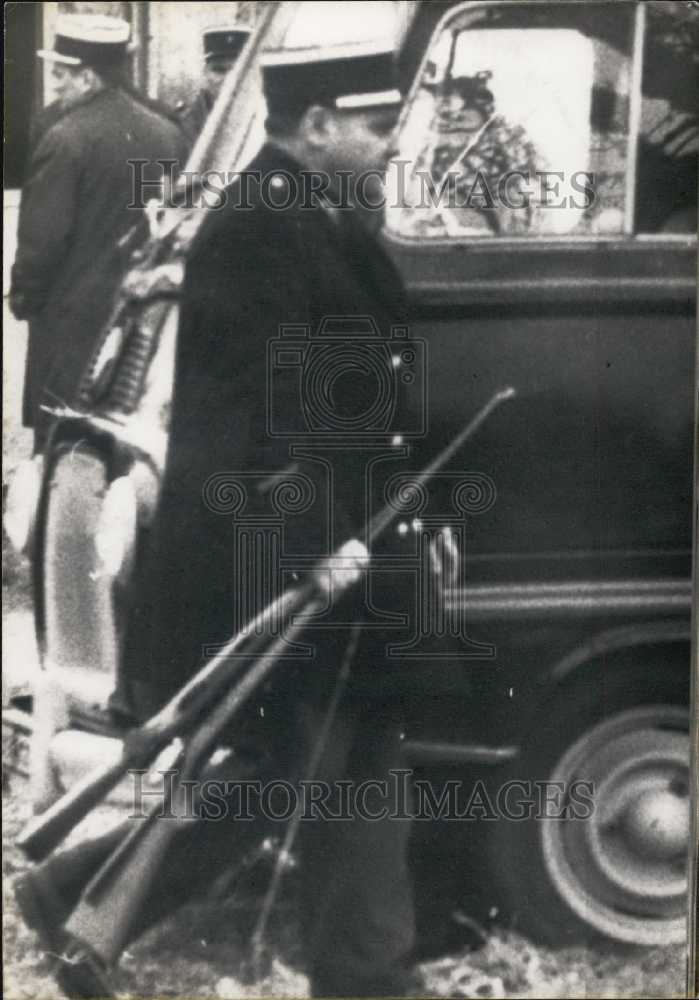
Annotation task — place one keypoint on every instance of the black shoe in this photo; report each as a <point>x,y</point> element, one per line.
<point>81,975</point>
<point>42,909</point>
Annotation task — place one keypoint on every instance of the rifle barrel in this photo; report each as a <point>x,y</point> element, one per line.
<point>46,831</point>
<point>386,515</point>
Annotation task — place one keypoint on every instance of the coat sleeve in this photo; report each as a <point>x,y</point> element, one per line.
<point>48,211</point>
<point>238,292</point>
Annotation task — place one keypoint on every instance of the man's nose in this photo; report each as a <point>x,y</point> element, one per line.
<point>392,146</point>
<point>390,150</point>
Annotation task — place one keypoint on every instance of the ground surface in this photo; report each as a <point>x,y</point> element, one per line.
<point>202,951</point>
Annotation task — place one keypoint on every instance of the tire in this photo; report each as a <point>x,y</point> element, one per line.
<point>620,873</point>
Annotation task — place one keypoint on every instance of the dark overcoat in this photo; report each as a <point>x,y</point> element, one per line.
<point>193,114</point>
<point>252,270</point>
<point>77,202</point>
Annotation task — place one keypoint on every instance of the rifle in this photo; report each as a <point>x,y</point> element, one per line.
<point>204,707</point>
<point>142,745</point>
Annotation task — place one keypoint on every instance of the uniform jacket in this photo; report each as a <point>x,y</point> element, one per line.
<point>43,120</point>
<point>250,271</point>
<point>193,115</point>
<point>74,209</point>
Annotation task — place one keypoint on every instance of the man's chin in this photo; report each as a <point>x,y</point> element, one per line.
<point>372,218</point>
<point>369,189</point>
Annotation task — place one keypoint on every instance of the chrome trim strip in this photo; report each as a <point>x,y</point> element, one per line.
<point>485,602</point>
<point>429,752</point>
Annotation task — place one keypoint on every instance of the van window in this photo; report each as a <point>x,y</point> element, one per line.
<point>547,120</point>
<point>668,144</point>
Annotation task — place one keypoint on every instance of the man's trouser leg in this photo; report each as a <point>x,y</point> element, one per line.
<point>199,853</point>
<point>357,907</point>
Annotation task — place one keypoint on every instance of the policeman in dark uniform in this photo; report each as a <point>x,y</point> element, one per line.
<point>222,46</point>
<point>75,206</point>
<point>331,113</point>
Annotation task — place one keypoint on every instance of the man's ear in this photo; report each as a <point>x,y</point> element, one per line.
<point>90,78</point>
<point>317,125</point>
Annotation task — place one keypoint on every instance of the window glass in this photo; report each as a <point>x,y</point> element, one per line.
<point>519,125</point>
<point>668,147</point>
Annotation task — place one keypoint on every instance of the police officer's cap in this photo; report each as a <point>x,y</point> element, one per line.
<point>347,77</point>
<point>225,42</point>
<point>89,40</point>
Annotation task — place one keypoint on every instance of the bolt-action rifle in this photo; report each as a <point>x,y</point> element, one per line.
<point>195,719</point>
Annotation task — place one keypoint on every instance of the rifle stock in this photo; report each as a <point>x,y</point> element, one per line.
<point>45,832</point>
<point>106,915</point>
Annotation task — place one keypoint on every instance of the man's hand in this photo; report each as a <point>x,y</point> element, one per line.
<point>344,568</point>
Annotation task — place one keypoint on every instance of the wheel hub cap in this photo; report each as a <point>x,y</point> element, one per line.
<point>657,823</point>
<point>624,869</point>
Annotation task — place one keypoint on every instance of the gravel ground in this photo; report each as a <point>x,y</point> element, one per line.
<point>203,950</point>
